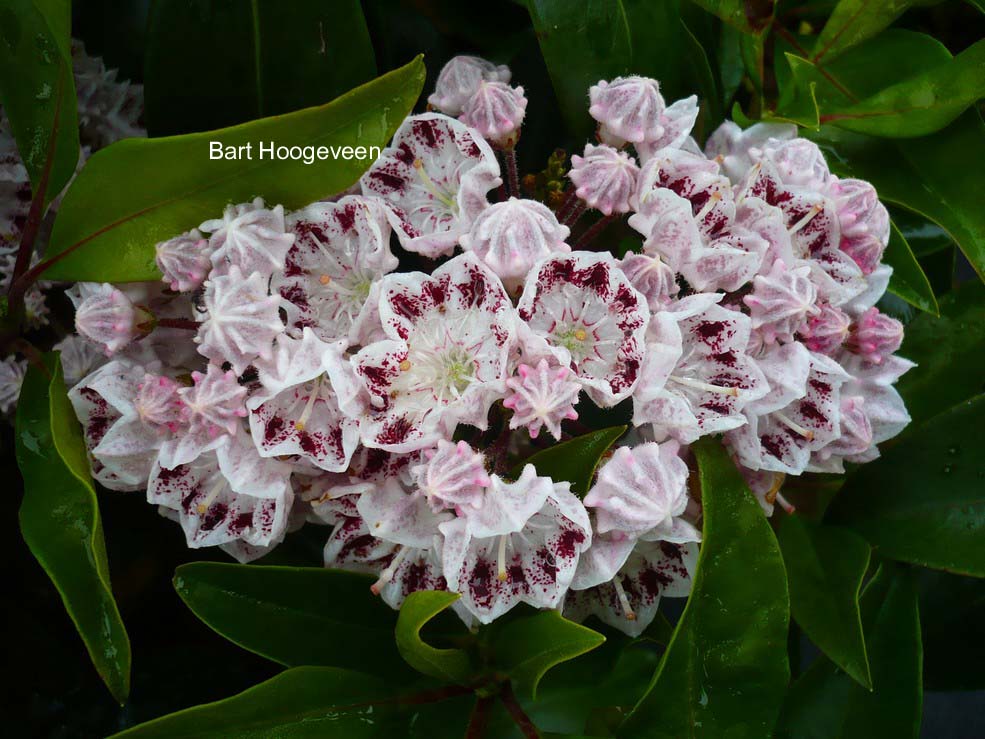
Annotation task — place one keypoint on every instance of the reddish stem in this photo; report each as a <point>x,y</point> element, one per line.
<point>570,198</point>
<point>572,216</point>
<point>184,323</point>
<point>479,718</point>
<point>511,171</point>
<point>598,227</point>
<point>519,716</point>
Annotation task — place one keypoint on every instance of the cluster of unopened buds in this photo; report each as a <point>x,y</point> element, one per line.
<point>285,372</point>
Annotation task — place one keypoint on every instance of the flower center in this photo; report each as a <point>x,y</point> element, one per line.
<point>442,197</point>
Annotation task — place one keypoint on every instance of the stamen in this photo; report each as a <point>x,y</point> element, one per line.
<point>501,558</point>
<point>325,279</point>
<point>432,188</point>
<point>210,498</point>
<point>404,365</point>
<point>309,406</point>
<point>387,574</point>
<point>707,387</point>
<point>623,600</point>
<point>795,427</point>
<point>785,504</point>
<point>581,334</point>
<point>712,202</point>
<point>815,209</point>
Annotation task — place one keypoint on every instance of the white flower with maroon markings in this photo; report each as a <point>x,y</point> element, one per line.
<point>784,439</point>
<point>532,561</point>
<point>697,377</point>
<point>241,319</point>
<point>332,272</point>
<point>296,411</point>
<point>122,447</point>
<point>627,109</point>
<point>435,177</point>
<point>585,312</point>
<point>629,601</point>
<point>226,495</point>
<point>605,178</point>
<point>542,396</point>
<point>214,408</point>
<point>250,237</point>
<point>446,359</point>
<point>460,78</point>
<point>184,261</point>
<point>510,237</point>
<point>643,491</point>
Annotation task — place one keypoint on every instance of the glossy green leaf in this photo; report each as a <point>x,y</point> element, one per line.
<point>825,568</point>
<point>854,21</point>
<point>749,16</point>
<point>725,669</point>
<point>165,186</point>
<point>923,237</point>
<point>952,622</point>
<point>948,351</point>
<point>295,615</point>
<point>449,665</point>
<point>37,90</point>
<point>246,60</point>
<point>908,280</point>
<point>59,519</point>
<point>300,702</point>
<point>575,460</point>
<point>919,173</point>
<point>527,647</point>
<point>826,703</point>
<point>923,501</point>
<point>914,106</point>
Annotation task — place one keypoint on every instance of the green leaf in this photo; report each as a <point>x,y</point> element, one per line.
<point>294,615</point>
<point>825,567</point>
<point>245,60</point>
<point>854,21</point>
<point>919,173</point>
<point>908,280</point>
<point>923,501</point>
<point>527,647</point>
<point>575,460</point>
<point>952,622</point>
<point>948,352</point>
<point>725,669</point>
<point>301,702</point>
<point>37,89</point>
<point>448,665</point>
<point>915,106</point>
<point>164,187</point>
<point>825,702</point>
<point>749,16</point>
<point>59,519</point>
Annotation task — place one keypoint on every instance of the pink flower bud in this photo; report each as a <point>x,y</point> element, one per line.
<point>605,178</point>
<point>184,261</point>
<point>496,111</point>
<point>781,301</point>
<point>158,404</point>
<point>826,330</point>
<point>540,396</point>
<point>864,222</point>
<point>460,78</point>
<point>799,162</point>
<point>875,336</point>
<point>454,476</point>
<point>107,317</point>
<point>628,109</point>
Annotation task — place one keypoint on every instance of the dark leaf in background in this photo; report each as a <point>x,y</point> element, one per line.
<point>450,665</point>
<point>37,90</point>
<point>575,460</point>
<point>300,702</point>
<point>215,63</point>
<point>60,521</point>
<point>748,16</point>
<point>952,614</point>
<point>908,280</point>
<point>295,615</point>
<point>725,669</point>
<point>923,501</point>
<point>852,22</point>
<point>826,702</point>
<point>825,567</point>
<point>114,214</point>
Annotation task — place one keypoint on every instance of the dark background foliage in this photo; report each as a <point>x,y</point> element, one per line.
<point>53,689</point>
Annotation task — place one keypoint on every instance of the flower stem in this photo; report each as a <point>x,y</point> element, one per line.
<point>570,198</point>
<point>596,228</point>
<point>511,171</point>
<point>519,716</point>
<point>574,213</point>
<point>183,323</point>
<point>479,718</point>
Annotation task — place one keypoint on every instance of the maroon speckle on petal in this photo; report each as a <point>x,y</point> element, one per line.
<point>395,432</point>
<point>214,516</point>
<point>569,540</point>
<point>389,181</point>
<point>481,584</point>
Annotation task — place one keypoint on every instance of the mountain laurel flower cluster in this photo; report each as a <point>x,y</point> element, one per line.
<point>289,371</point>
